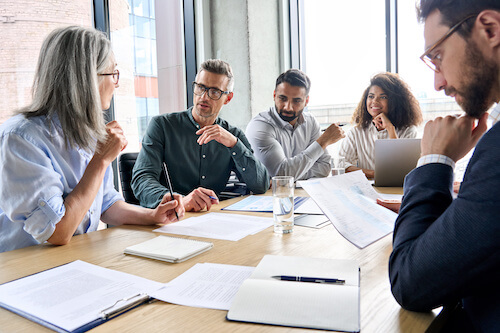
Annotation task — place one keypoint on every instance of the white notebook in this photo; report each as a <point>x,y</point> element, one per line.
<point>171,249</point>
<point>262,299</point>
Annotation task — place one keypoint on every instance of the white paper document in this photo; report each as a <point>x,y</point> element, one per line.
<point>205,285</point>
<point>231,227</point>
<point>263,299</point>
<point>254,203</point>
<point>349,201</point>
<point>68,297</point>
<point>308,207</point>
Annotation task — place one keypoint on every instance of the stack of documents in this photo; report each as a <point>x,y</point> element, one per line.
<point>330,306</point>
<point>75,297</point>
<point>218,226</point>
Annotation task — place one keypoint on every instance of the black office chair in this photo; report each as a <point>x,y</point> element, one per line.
<point>126,163</point>
<point>234,188</point>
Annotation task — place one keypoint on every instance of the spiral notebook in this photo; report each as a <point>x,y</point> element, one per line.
<point>170,249</point>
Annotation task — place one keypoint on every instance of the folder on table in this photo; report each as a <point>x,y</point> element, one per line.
<point>329,306</point>
<point>75,297</point>
<point>170,249</point>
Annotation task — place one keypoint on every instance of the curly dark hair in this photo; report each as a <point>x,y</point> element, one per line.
<point>404,110</point>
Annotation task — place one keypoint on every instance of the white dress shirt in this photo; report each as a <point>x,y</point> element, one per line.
<point>288,150</point>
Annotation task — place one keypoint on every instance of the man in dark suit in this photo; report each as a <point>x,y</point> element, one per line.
<point>445,251</point>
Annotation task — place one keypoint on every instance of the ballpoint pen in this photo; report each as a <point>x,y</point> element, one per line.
<point>307,279</point>
<point>212,197</point>
<point>338,124</point>
<point>169,186</point>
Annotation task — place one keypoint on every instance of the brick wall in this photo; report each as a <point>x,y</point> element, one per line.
<point>23,26</point>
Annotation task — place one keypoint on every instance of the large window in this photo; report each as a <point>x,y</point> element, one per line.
<point>134,27</point>
<point>345,44</point>
<point>133,35</point>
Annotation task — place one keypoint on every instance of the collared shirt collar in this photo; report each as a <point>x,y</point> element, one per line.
<point>191,118</point>
<point>283,124</point>
<point>495,114</point>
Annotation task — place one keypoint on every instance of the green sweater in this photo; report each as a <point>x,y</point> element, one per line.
<point>171,138</point>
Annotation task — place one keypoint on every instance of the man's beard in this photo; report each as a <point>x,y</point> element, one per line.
<point>288,118</point>
<point>480,76</point>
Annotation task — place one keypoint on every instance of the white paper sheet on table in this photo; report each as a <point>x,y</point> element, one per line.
<point>309,207</point>
<point>349,201</point>
<point>205,285</point>
<point>218,226</point>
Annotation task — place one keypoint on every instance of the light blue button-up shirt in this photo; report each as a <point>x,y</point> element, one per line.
<point>37,172</point>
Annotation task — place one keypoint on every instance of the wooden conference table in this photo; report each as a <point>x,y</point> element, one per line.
<point>379,310</point>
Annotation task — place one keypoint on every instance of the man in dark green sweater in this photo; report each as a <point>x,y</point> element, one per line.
<point>199,148</point>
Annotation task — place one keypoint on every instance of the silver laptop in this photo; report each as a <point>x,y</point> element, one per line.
<point>394,159</point>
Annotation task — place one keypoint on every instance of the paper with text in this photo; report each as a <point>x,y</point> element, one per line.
<point>349,201</point>
<point>72,295</point>
<point>205,285</point>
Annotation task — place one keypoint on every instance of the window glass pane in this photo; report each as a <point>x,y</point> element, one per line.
<point>22,31</point>
<point>341,54</point>
<point>141,7</point>
<point>132,41</point>
<point>142,27</point>
<point>414,71</point>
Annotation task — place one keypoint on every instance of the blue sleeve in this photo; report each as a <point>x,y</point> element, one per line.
<point>33,194</point>
<point>110,194</point>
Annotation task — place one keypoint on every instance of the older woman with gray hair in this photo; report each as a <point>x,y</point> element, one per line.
<point>55,153</point>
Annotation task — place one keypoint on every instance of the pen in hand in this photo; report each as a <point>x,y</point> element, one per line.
<point>307,279</point>
<point>338,124</point>
<point>165,170</point>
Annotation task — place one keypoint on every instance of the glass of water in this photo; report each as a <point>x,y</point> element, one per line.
<point>338,165</point>
<point>283,188</point>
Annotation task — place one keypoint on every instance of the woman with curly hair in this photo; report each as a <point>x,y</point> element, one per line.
<point>387,110</point>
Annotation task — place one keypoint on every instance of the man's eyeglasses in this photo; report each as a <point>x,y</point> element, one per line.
<point>115,74</point>
<point>213,93</point>
<point>435,61</point>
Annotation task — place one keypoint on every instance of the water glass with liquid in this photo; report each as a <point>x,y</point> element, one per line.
<point>283,190</point>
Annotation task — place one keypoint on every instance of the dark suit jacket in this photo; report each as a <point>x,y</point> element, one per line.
<point>447,250</point>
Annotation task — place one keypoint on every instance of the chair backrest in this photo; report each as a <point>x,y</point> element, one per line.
<point>126,163</point>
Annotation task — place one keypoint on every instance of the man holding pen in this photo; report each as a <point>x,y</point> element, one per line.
<point>287,140</point>
<point>199,148</point>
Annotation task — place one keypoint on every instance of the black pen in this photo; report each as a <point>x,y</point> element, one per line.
<point>169,186</point>
<point>307,279</point>
<point>339,125</point>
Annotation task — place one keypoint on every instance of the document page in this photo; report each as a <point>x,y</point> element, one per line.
<point>254,203</point>
<point>71,295</point>
<point>205,285</point>
<point>218,226</point>
<point>349,201</point>
<point>263,299</point>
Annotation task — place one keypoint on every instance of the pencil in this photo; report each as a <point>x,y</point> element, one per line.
<point>165,170</point>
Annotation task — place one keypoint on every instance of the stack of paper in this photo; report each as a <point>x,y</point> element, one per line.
<point>218,226</point>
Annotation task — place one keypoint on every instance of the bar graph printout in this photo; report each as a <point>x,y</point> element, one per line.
<point>349,201</point>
